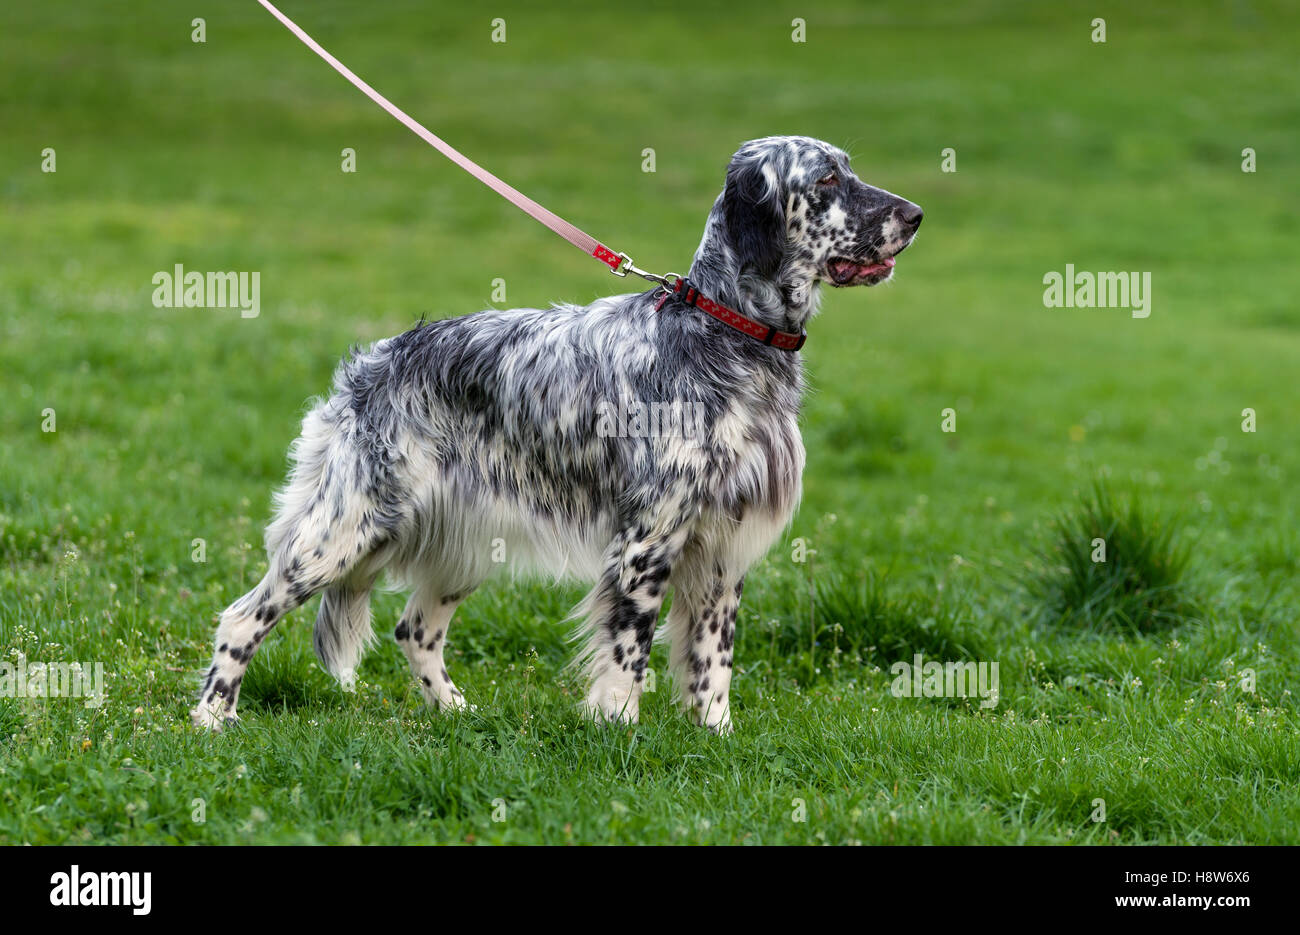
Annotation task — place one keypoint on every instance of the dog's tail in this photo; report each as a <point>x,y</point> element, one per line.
<point>343,631</point>
<point>316,505</point>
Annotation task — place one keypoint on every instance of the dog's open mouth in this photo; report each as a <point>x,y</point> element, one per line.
<point>852,273</point>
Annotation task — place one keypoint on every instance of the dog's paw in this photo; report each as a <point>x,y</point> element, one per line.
<point>212,717</point>
<point>611,707</point>
<point>454,704</point>
<point>716,720</point>
<point>444,697</point>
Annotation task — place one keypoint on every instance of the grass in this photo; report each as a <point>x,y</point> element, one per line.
<point>172,424</point>
<point>1113,563</point>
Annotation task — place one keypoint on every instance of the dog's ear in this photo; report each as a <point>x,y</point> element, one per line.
<point>755,210</point>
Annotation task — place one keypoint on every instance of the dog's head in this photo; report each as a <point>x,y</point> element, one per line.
<point>794,206</point>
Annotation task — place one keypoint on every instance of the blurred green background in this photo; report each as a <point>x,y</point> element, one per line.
<point>226,155</point>
<point>172,424</point>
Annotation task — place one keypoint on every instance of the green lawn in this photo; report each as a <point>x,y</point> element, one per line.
<point>172,424</point>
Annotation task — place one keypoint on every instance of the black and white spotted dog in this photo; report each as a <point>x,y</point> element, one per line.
<point>476,442</point>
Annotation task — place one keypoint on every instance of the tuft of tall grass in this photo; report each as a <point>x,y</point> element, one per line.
<point>1111,563</point>
<point>856,619</point>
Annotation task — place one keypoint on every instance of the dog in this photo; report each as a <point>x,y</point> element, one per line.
<point>518,439</point>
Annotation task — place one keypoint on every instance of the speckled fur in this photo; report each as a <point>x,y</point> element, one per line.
<point>471,444</point>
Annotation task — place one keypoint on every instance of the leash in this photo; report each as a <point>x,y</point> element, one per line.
<point>620,264</point>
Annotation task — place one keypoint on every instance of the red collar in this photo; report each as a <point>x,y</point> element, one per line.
<point>760,332</point>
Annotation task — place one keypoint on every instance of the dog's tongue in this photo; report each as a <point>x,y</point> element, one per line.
<point>880,267</point>
<point>845,270</point>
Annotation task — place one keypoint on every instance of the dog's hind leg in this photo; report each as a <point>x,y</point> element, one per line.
<point>422,634</point>
<point>341,550</point>
<point>621,614</point>
<point>298,571</point>
<point>241,628</point>
<point>333,527</point>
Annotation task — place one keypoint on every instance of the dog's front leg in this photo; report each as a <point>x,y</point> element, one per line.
<point>702,627</point>
<point>621,615</point>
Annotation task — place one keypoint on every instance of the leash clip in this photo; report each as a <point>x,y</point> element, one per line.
<point>623,267</point>
<point>667,281</point>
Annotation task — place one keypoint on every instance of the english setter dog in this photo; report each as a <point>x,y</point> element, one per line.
<point>645,442</point>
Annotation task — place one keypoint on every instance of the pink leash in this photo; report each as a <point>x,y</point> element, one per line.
<point>619,263</point>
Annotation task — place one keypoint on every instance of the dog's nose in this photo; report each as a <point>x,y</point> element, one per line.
<point>910,214</point>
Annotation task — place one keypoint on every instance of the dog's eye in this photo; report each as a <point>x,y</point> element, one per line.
<point>830,178</point>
